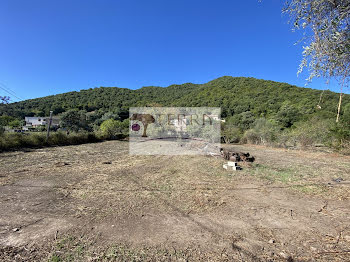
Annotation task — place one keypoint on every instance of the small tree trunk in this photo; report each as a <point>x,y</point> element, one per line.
<point>339,106</point>
<point>340,97</point>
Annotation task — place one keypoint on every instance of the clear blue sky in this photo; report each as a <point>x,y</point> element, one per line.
<point>55,46</point>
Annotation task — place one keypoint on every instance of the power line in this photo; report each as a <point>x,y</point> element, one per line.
<point>8,90</point>
<point>2,86</point>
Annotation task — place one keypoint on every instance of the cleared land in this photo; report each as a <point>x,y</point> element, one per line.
<point>94,202</point>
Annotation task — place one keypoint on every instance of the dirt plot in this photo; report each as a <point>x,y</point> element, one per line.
<point>95,202</point>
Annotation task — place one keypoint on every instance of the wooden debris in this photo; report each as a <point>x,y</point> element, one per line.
<point>236,156</point>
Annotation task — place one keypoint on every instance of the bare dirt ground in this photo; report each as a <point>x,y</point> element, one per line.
<point>94,202</point>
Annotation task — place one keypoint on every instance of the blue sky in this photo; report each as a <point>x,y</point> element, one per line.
<point>50,47</point>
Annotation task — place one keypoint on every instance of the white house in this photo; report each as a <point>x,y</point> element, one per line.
<point>40,121</point>
<point>35,121</point>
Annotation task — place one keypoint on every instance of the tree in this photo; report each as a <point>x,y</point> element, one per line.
<point>14,123</point>
<point>327,53</point>
<point>4,99</point>
<point>287,115</point>
<point>243,120</point>
<point>74,120</point>
<point>262,132</point>
<point>113,128</point>
<point>230,133</point>
<point>5,120</point>
<point>346,115</point>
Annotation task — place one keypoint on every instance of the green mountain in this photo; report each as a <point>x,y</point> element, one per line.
<point>239,97</point>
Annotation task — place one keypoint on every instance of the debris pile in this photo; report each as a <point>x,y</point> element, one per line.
<point>236,156</point>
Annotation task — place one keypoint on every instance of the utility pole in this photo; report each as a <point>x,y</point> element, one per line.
<point>48,127</point>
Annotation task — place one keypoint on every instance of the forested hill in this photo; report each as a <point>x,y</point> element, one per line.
<point>235,95</point>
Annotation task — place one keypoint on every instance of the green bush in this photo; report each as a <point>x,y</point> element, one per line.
<point>340,136</point>
<point>313,132</point>
<point>251,137</point>
<point>58,138</point>
<point>111,129</point>
<point>231,133</point>
<point>11,141</point>
<point>264,132</point>
<point>14,123</point>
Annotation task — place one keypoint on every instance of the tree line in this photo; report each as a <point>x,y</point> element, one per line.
<point>247,104</point>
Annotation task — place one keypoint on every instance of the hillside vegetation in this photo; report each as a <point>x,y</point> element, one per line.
<point>256,111</point>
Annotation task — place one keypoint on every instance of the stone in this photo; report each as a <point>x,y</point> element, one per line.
<point>60,164</point>
<point>271,241</point>
<point>313,249</point>
<point>283,255</point>
<point>228,167</point>
<point>338,180</point>
<point>231,163</point>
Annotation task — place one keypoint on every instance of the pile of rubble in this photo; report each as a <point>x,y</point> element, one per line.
<point>236,156</point>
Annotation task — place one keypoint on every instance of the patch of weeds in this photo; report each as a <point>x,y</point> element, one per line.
<point>55,258</point>
<point>173,171</point>
<point>228,174</point>
<point>127,253</point>
<point>68,249</point>
<point>284,175</point>
<point>310,189</point>
<point>124,253</point>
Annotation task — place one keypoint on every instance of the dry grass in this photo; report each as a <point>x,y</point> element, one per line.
<point>107,205</point>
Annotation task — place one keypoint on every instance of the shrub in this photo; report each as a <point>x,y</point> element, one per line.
<point>312,132</point>
<point>251,136</point>
<point>231,133</point>
<point>14,123</point>
<point>340,136</point>
<point>58,138</point>
<point>263,132</point>
<point>11,141</point>
<point>112,129</point>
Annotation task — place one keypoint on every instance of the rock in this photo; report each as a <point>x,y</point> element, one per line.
<point>231,163</point>
<point>230,167</point>
<point>338,180</point>
<point>313,249</point>
<point>284,255</point>
<point>107,162</point>
<point>271,241</point>
<point>15,229</point>
<point>59,164</point>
